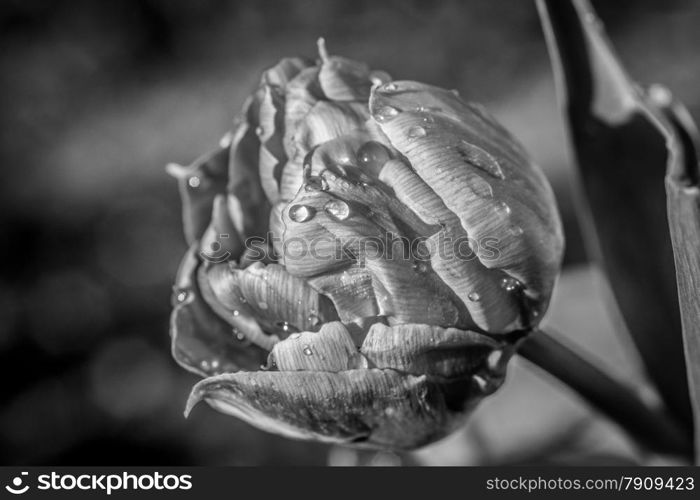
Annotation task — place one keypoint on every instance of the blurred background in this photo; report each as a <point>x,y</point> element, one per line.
<point>96,97</point>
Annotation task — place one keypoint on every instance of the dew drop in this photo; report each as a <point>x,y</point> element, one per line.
<point>386,114</point>
<point>243,300</point>
<point>480,381</point>
<point>182,296</point>
<point>390,87</point>
<point>494,359</point>
<point>307,351</point>
<point>236,312</point>
<point>301,213</point>
<point>420,267</point>
<point>416,132</point>
<point>239,335</point>
<point>259,131</point>
<point>215,364</point>
<point>205,365</point>
<point>455,92</point>
<point>226,140</point>
<point>378,77</point>
<point>262,305</point>
<point>194,181</point>
<point>510,284</point>
<point>503,209</point>
<point>372,156</point>
<point>474,296</point>
<point>337,209</point>
<point>316,183</point>
<point>516,230</point>
<point>314,320</point>
<point>481,159</point>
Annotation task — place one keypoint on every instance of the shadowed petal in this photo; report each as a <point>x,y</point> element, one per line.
<point>372,408</point>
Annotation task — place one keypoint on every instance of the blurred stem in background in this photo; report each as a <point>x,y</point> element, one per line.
<point>649,426</point>
<point>622,144</point>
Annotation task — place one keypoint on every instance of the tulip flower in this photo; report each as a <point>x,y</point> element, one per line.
<point>364,255</point>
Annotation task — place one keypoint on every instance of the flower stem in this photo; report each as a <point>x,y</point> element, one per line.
<point>651,427</point>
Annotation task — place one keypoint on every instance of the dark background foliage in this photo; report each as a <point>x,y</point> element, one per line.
<point>97,96</point>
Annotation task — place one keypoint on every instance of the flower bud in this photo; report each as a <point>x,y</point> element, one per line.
<point>364,255</point>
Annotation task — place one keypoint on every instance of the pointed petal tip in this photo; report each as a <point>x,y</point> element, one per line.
<point>322,51</point>
<point>176,170</point>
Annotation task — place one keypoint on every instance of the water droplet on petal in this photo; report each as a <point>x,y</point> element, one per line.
<point>516,230</point>
<point>455,92</point>
<point>225,141</point>
<point>494,359</point>
<point>259,131</point>
<point>314,319</point>
<point>301,213</point>
<point>239,335</point>
<point>205,365</point>
<point>390,87</point>
<point>236,313</point>
<point>372,156</point>
<point>262,305</point>
<point>420,267</point>
<point>307,351</point>
<point>316,183</point>
<point>481,159</point>
<point>386,114</point>
<point>510,284</point>
<point>337,209</point>
<point>474,296</point>
<point>194,181</point>
<point>503,209</point>
<point>416,132</point>
<point>182,296</point>
<point>480,381</point>
<point>215,364</point>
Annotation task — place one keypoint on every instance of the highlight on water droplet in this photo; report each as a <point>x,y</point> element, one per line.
<point>337,209</point>
<point>372,156</point>
<point>316,183</point>
<point>493,360</point>
<point>259,131</point>
<point>510,284</point>
<point>194,181</point>
<point>307,350</point>
<point>390,87</point>
<point>239,335</point>
<point>416,132</point>
<point>480,159</point>
<point>301,213</point>
<point>386,114</point>
<point>236,312</point>
<point>503,209</point>
<point>474,296</point>
<point>182,295</point>
<point>480,382</point>
<point>516,230</point>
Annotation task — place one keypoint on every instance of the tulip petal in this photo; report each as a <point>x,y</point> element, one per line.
<point>367,408</point>
<point>343,79</point>
<point>201,341</point>
<point>452,257</point>
<point>331,349</point>
<point>243,176</point>
<point>221,291</point>
<point>281,302</point>
<point>221,240</point>
<point>483,179</point>
<point>199,184</point>
<point>426,349</point>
